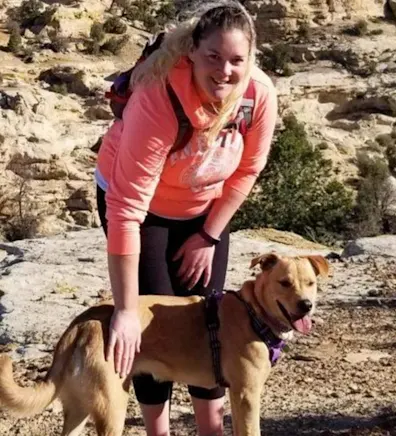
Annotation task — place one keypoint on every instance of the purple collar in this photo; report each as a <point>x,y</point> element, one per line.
<point>273,343</point>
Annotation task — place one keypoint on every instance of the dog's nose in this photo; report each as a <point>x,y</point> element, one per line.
<point>304,306</point>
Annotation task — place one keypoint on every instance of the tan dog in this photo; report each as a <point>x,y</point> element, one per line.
<point>175,346</point>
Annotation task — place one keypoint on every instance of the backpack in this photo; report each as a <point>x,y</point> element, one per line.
<point>120,92</point>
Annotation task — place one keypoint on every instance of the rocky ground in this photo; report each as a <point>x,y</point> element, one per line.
<point>341,380</point>
<point>339,83</point>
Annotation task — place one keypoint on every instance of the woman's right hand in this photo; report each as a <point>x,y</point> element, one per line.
<point>124,340</point>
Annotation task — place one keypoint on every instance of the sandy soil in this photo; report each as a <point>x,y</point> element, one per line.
<point>341,380</point>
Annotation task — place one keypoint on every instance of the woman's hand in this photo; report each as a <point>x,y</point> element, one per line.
<point>197,260</point>
<point>124,340</point>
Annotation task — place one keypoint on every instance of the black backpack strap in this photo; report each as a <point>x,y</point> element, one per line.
<point>185,129</point>
<point>153,44</point>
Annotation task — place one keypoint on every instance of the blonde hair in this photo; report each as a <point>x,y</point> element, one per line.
<point>179,42</point>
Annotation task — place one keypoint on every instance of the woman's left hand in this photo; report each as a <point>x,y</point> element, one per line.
<point>197,260</point>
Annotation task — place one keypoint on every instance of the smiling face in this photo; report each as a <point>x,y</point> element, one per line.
<point>220,63</point>
<point>287,288</point>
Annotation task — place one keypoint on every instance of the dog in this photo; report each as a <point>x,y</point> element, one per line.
<point>175,346</point>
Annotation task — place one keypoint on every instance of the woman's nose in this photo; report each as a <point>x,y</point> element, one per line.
<point>226,68</point>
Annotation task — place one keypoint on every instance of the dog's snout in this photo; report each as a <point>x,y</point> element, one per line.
<point>304,305</point>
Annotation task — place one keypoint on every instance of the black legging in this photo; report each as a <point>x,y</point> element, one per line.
<point>160,240</point>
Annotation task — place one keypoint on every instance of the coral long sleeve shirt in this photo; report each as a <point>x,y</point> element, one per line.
<point>139,172</point>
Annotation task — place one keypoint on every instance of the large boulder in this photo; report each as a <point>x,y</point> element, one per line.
<point>379,246</point>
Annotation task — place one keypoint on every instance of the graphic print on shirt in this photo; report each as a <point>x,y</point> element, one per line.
<point>207,167</point>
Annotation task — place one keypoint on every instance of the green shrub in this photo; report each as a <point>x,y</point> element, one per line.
<point>385,140</point>
<point>29,11</point>
<point>23,224</point>
<point>304,31</point>
<point>114,25</point>
<point>21,228</point>
<point>296,191</point>
<point>153,15</point>
<point>15,41</point>
<point>374,197</point>
<point>391,156</point>
<point>114,45</point>
<point>276,59</point>
<point>58,44</point>
<point>97,33</point>
<point>92,47</point>
<point>360,28</point>
<point>32,13</point>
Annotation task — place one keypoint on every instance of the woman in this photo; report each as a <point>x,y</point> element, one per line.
<point>166,214</point>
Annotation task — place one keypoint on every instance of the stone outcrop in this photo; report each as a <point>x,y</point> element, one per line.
<point>277,18</point>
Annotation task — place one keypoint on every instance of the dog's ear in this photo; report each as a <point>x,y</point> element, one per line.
<point>266,261</point>
<point>319,264</point>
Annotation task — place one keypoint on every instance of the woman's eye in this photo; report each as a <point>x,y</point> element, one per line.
<point>214,57</point>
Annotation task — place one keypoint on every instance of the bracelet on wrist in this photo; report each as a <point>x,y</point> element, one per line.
<point>208,238</point>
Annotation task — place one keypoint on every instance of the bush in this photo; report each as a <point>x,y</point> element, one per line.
<point>360,28</point>
<point>97,33</point>
<point>152,17</point>
<point>27,13</point>
<point>304,31</point>
<point>58,44</point>
<point>114,45</point>
<point>92,47</point>
<point>25,228</point>
<point>31,13</point>
<point>375,196</point>
<point>27,55</point>
<point>391,156</point>
<point>296,191</point>
<point>114,25</point>
<point>23,224</point>
<point>377,32</point>
<point>15,41</point>
<point>276,59</point>
<point>384,140</point>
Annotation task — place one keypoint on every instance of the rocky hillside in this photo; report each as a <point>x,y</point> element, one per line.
<point>337,75</point>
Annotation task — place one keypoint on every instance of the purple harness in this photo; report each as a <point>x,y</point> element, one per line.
<point>274,344</point>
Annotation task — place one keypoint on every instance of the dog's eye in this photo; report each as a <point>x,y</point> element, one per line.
<point>285,283</point>
<point>311,283</point>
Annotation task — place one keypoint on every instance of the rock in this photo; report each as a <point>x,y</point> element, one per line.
<point>279,17</point>
<point>384,245</point>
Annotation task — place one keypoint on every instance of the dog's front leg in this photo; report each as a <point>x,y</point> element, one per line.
<point>245,409</point>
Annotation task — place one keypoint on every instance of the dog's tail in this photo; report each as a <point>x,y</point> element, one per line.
<point>23,401</point>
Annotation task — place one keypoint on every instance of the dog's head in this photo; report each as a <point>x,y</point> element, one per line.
<point>286,288</point>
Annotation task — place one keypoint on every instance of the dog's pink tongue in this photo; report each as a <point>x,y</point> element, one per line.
<point>303,325</point>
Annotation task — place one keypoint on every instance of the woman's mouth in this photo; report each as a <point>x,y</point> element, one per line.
<point>220,82</point>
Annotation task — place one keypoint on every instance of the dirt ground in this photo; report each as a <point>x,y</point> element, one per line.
<point>341,380</point>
